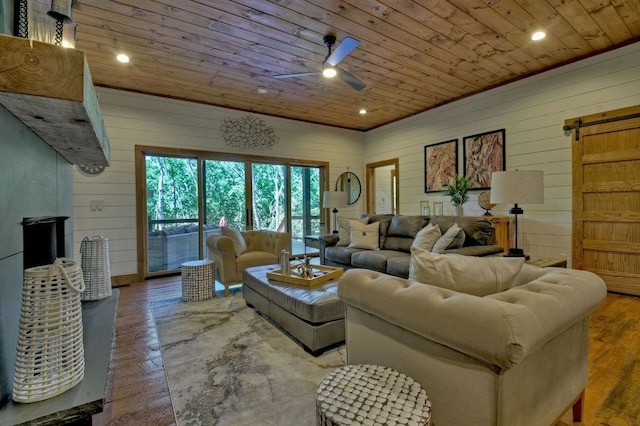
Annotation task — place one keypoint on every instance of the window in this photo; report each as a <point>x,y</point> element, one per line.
<point>184,197</point>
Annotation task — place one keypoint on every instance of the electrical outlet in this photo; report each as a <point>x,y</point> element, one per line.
<point>97,205</point>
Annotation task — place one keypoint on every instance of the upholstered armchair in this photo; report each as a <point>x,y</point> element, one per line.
<point>515,357</point>
<point>234,251</point>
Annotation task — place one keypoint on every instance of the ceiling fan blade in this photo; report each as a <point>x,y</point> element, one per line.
<point>345,47</point>
<point>298,74</point>
<point>352,80</point>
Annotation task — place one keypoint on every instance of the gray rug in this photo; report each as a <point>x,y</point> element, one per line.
<point>227,365</point>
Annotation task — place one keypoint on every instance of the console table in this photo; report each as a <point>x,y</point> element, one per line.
<point>501,225</point>
<point>77,405</point>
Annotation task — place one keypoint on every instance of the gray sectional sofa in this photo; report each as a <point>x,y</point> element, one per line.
<point>396,234</point>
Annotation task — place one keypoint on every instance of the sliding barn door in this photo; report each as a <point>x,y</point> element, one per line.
<point>606,197</point>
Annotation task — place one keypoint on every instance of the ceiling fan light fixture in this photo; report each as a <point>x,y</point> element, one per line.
<point>362,111</point>
<point>329,72</point>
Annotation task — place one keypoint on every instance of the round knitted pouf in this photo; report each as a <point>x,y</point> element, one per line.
<point>371,395</point>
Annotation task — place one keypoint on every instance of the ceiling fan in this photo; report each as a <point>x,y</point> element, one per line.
<point>329,68</point>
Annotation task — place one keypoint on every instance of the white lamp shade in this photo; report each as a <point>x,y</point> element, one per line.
<point>517,187</point>
<point>334,199</point>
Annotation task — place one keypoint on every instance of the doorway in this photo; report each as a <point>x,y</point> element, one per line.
<point>606,196</point>
<point>383,187</point>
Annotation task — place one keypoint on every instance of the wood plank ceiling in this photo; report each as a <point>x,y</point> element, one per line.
<point>413,55</point>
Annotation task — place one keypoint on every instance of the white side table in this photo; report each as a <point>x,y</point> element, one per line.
<point>371,395</point>
<point>198,280</point>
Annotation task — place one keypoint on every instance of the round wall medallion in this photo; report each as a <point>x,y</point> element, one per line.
<point>91,169</point>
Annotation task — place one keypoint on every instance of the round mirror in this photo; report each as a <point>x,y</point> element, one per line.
<point>349,183</point>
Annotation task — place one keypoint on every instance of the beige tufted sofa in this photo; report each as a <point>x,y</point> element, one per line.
<point>518,357</point>
<point>263,248</point>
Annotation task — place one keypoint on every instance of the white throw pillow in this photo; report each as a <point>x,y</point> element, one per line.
<point>427,237</point>
<point>239,244</point>
<point>453,238</point>
<point>344,230</point>
<point>364,236</point>
<point>479,276</point>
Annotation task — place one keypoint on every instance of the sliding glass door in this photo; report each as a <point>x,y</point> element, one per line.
<point>269,197</point>
<point>185,197</point>
<point>305,208</point>
<point>225,194</point>
<point>172,211</point>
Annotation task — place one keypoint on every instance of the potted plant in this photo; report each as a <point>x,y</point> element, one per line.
<point>457,189</point>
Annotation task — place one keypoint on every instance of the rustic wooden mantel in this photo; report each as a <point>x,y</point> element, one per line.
<point>49,88</point>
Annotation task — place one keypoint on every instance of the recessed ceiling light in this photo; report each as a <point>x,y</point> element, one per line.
<point>538,35</point>
<point>262,90</point>
<point>363,111</point>
<point>329,72</point>
<point>122,58</point>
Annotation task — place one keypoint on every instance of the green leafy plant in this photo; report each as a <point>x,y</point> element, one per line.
<point>457,189</point>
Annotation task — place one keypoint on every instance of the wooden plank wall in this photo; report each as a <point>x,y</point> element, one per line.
<point>532,111</point>
<point>135,119</point>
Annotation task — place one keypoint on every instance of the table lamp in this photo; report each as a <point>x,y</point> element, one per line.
<point>334,199</point>
<point>517,187</point>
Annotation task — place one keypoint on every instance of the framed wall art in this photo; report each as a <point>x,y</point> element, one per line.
<point>483,154</point>
<point>424,208</point>
<point>440,164</point>
<point>437,208</point>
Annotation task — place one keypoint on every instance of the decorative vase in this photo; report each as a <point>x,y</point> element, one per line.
<point>459,211</point>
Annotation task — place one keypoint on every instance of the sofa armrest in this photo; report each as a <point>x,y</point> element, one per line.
<point>477,250</point>
<point>222,252</point>
<point>324,241</point>
<point>499,329</point>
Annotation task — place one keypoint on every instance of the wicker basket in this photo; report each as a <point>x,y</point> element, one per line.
<point>50,358</point>
<point>96,269</point>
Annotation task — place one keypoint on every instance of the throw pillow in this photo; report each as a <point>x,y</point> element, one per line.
<point>344,229</point>
<point>453,238</point>
<point>364,236</point>
<point>479,276</point>
<point>427,237</point>
<point>239,244</point>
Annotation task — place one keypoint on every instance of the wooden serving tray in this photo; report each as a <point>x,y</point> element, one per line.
<point>322,275</point>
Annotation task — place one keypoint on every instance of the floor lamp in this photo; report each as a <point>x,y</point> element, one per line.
<point>334,199</point>
<point>517,187</point>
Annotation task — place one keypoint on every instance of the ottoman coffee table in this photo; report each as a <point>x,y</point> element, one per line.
<point>312,315</point>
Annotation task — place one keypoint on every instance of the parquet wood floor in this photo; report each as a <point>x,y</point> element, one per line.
<point>137,391</point>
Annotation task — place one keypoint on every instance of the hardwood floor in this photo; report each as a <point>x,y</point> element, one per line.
<point>137,391</point>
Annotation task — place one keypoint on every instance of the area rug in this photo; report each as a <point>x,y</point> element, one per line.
<point>228,365</point>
